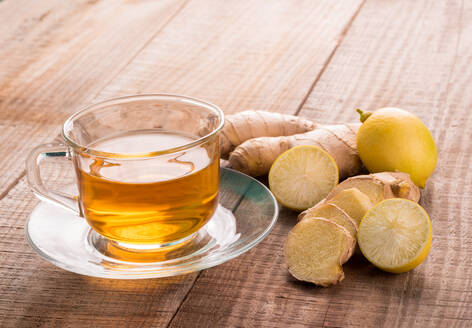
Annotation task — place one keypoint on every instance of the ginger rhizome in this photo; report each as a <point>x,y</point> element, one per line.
<point>325,238</point>
<point>380,186</point>
<point>315,249</point>
<point>354,202</point>
<point>252,124</point>
<point>258,138</point>
<point>334,214</point>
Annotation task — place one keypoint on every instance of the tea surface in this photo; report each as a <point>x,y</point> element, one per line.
<point>154,200</point>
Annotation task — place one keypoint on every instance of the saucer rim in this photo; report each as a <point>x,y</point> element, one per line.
<point>194,266</point>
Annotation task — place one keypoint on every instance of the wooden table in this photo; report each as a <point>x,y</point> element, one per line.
<point>317,59</point>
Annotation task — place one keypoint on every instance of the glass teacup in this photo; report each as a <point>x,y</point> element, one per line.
<point>147,167</point>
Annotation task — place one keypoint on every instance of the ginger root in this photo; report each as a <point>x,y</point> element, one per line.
<point>334,214</point>
<point>325,238</point>
<point>352,201</point>
<point>252,124</point>
<point>315,249</point>
<point>380,186</point>
<point>257,146</point>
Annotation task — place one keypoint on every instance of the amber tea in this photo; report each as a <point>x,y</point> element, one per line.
<point>155,200</point>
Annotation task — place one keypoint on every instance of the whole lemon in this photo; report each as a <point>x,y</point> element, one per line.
<point>392,139</point>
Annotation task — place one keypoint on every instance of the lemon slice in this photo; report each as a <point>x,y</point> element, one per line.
<point>302,176</point>
<point>395,235</point>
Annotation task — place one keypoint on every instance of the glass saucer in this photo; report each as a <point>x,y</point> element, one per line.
<point>246,214</point>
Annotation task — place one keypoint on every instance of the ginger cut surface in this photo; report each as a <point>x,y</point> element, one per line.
<point>334,214</point>
<point>352,201</point>
<point>380,186</point>
<point>315,249</point>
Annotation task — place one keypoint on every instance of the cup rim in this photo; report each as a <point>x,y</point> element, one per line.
<point>123,99</point>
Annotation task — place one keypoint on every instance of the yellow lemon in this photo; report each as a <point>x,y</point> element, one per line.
<point>302,176</point>
<point>392,139</point>
<point>395,235</point>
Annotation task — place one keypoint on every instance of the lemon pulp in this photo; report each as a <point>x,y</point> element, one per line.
<point>302,176</point>
<point>395,235</point>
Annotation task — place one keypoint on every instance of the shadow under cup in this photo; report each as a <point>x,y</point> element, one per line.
<point>147,167</point>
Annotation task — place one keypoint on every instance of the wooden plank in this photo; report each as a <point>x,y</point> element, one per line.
<point>413,55</point>
<point>240,54</point>
<point>258,50</point>
<point>57,58</point>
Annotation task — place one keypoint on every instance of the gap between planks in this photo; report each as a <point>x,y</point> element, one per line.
<point>331,55</point>
<point>184,299</point>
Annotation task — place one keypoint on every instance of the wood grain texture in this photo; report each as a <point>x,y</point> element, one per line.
<point>421,63</point>
<point>405,54</point>
<point>57,57</point>
<point>240,54</point>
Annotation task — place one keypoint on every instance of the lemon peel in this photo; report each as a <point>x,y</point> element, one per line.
<point>392,139</point>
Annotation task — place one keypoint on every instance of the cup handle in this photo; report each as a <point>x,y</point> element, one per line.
<point>38,154</point>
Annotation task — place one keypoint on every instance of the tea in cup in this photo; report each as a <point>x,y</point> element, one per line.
<point>147,167</point>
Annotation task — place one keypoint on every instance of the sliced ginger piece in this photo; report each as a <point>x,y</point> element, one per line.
<point>352,201</point>
<point>364,183</point>
<point>334,214</point>
<point>380,186</point>
<point>315,249</point>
